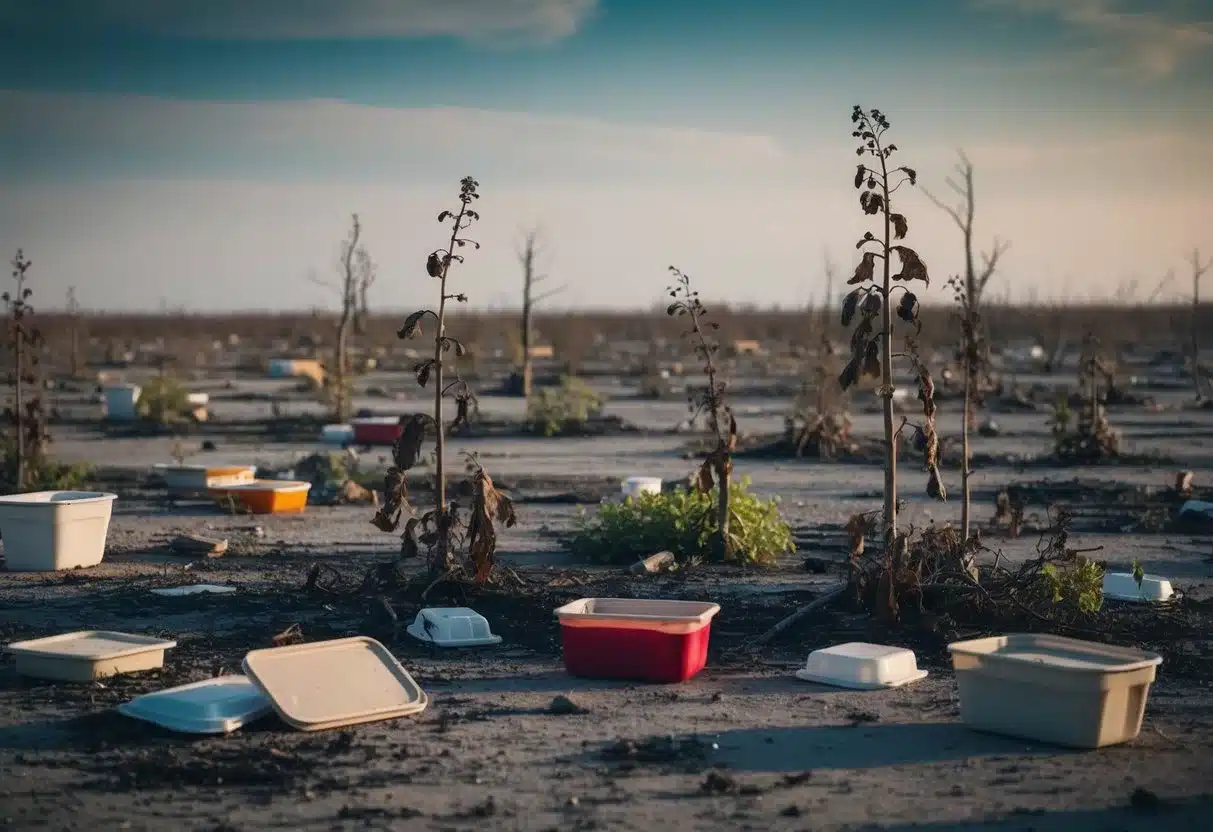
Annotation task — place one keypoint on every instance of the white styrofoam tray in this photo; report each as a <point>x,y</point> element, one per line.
<point>88,655</point>
<point>452,627</point>
<point>1122,586</point>
<point>194,589</point>
<point>860,666</point>
<point>212,706</point>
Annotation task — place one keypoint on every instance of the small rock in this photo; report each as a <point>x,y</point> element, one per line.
<point>660,562</point>
<point>563,706</point>
<point>717,782</point>
<point>792,811</point>
<point>1144,800</point>
<point>717,697</point>
<point>208,445</point>
<point>989,428</point>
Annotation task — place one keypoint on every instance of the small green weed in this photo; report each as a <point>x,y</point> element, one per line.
<point>683,522</point>
<point>554,409</point>
<point>1078,585</point>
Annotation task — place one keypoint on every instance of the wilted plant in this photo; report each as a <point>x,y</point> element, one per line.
<point>870,304</point>
<point>717,467</point>
<point>26,414</point>
<point>819,423</point>
<point>975,354</point>
<point>1092,437</point>
<point>439,529</point>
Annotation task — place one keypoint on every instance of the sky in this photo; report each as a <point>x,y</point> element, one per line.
<point>208,154</point>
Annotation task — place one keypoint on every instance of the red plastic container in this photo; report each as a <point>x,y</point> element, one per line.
<point>376,430</point>
<point>634,639</point>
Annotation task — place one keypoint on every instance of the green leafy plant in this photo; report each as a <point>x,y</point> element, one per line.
<point>1139,572</point>
<point>553,410</point>
<point>1077,585</point>
<point>715,473</point>
<point>870,305</point>
<point>683,522</point>
<point>165,401</point>
<point>440,530</point>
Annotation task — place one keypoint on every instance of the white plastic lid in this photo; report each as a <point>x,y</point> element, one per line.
<point>212,706</point>
<point>861,666</point>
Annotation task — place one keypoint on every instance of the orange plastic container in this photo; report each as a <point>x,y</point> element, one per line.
<point>267,496</point>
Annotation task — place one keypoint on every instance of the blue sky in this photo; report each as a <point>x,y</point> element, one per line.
<point>209,153</point>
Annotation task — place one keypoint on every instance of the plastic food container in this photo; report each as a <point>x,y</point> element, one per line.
<point>121,401</point>
<point>199,478</point>
<point>452,627</point>
<point>45,531</point>
<point>88,655</point>
<point>267,496</point>
<point>861,666</point>
<point>337,434</point>
<point>635,486</point>
<point>1053,689</point>
<point>638,640</point>
<point>212,706</point>
<point>376,430</point>
<point>281,368</point>
<point>334,684</point>
<point>1122,586</point>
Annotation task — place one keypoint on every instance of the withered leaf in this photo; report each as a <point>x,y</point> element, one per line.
<point>871,305</point>
<point>849,375</point>
<point>907,310</point>
<point>871,359</point>
<point>442,215</point>
<point>900,226</point>
<point>423,370</point>
<point>406,450</point>
<point>409,546</point>
<point>448,342</point>
<point>871,202</point>
<point>412,325</point>
<point>433,265</point>
<point>463,403</point>
<point>488,506</point>
<point>911,173</point>
<point>859,172</point>
<point>912,267</point>
<point>867,238</point>
<point>704,482</point>
<point>865,270</point>
<point>850,304</point>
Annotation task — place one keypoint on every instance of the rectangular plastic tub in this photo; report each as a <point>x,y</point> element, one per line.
<point>45,531</point>
<point>199,478</point>
<point>637,640</point>
<point>1053,689</point>
<point>376,430</point>
<point>122,401</point>
<point>267,496</point>
<point>88,655</point>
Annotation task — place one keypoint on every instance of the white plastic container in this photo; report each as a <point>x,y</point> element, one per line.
<point>337,434</point>
<point>452,627</point>
<point>122,402</point>
<point>212,706</point>
<point>198,478</point>
<point>635,486</point>
<point>281,368</point>
<point>861,666</point>
<point>1053,689</point>
<point>45,531</point>
<point>1122,586</point>
<point>88,655</point>
<point>198,399</point>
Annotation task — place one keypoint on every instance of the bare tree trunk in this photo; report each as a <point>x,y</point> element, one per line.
<point>886,371</point>
<point>530,279</point>
<point>965,509</point>
<point>19,399</point>
<point>1198,271</point>
<point>349,300</point>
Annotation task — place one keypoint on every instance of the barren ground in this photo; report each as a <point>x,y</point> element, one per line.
<point>486,754</point>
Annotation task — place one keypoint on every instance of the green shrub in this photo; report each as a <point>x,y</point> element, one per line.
<point>553,409</point>
<point>683,522</point>
<point>1077,585</point>
<point>164,401</point>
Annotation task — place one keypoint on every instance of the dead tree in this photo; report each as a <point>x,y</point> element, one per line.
<point>1198,271</point>
<point>337,380</point>
<point>367,272</point>
<point>73,322</point>
<point>975,282</point>
<point>527,255</point>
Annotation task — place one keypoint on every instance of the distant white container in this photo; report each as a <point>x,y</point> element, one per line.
<point>122,401</point>
<point>212,706</point>
<point>452,627</point>
<point>198,399</point>
<point>337,434</point>
<point>198,478</point>
<point>1122,586</point>
<point>861,666</point>
<point>281,368</point>
<point>45,531</point>
<point>635,486</point>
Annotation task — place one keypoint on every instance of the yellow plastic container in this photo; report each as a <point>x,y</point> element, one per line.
<point>267,496</point>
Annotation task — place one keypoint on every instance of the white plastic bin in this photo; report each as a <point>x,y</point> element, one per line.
<point>122,401</point>
<point>635,486</point>
<point>46,531</point>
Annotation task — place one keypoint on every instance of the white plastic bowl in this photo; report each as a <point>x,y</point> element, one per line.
<point>212,706</point>
<point>861,666</point>
<point>452,627</point>
<point>337,434</point>
<point>635,486</point>
<point>1122,586</point>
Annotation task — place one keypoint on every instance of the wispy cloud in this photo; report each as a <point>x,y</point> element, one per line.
<point>329,139</point>
<point>1156,44</point>
<point>532,20</point>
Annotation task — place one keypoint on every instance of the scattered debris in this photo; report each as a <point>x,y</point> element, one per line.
<point>660,562</point>
<point>193,545</point>
<point>564,706</point>
<point>291,635</point>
